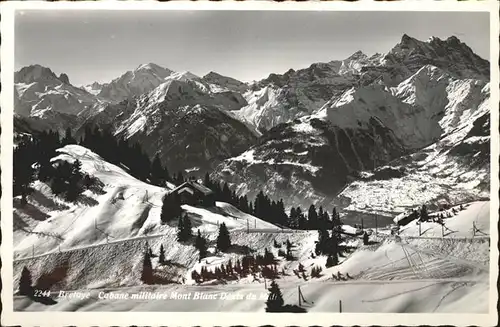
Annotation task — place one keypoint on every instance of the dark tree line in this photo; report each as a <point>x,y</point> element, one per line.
<point>329,243</point>
<point>264,264</point>
<point>272,211</point>
<point>120,151</point>
<point>32,160</point>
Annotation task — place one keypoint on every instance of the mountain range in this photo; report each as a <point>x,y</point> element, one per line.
<point>368,133</point>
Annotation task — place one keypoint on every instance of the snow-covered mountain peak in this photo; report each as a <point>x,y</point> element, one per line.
<point>143,79</point>
<point>40,93</point>
<point>94,88</point>
<point>152,67</point>
<point>183,76</point>
<point>357,55</point>
<point>224,82</point>
<point>451,55</point>
<point>34,73</point>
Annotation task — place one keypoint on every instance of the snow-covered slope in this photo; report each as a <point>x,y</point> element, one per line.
<point>126,213</point>
<point>460,223</point>
<point>402,274</point>
<point>126,208</point>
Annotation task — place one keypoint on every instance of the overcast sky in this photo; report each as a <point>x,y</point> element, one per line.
<point>101,45</point>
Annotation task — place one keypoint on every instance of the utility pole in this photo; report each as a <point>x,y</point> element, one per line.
<point>419,229</point>
<point>340,306</point>
<point>298,288</point>
<point>473,229</point>
<point>265,283</point>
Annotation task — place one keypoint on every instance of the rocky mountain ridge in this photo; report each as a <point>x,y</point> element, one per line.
<point>322,127</point>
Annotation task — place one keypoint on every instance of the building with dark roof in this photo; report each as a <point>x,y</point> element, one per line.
<point>193,193</point>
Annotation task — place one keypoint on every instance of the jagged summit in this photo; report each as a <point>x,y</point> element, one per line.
<point>357,55</point>
<point>225,82</point>
<point>64,78</point>
<point>33,73</point>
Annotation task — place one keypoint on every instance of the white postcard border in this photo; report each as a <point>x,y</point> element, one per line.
<point>219,318</point>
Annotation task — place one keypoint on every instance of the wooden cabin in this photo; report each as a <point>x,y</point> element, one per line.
<point>195,194</point>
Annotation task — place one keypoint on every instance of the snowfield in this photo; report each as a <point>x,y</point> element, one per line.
<point>402,274</point>
<point>128,208</point>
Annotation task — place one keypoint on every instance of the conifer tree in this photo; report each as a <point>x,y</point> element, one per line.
<point>223,239</point>
<point>207,182</point>
<point>159,174</point>
<point>293,219</point>
<point>25,287</point>
<point>301,219</point>
<point>201,245</point>
<point>165,209</point>
<point>180,229</point>
<point>147,269</point>
<point>161,258</point>
<point>171,207</point>
<point>322,244</point>
<point>68,138</point>
<point>332,260</point>
<point>187,227</point>
<point>274,301</point>
<point>74,185</point>
<point>365,238</point>
<point>268,257</point>
<point>424,215</point>
<point>312,217</point>
<point>23,171</point>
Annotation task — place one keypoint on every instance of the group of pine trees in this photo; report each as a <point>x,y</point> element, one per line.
<point>273,211</point>
<point>329,243</point>
<point>265,264</point>
<point>32,160</point>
